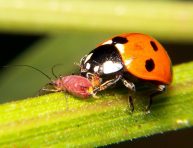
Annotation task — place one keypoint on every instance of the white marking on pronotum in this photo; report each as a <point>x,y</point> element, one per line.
<point>108,42</point>
<point>120,47</point>
<point>96,68</point>
<point>110,67</point>
<point>88,57</point>
<point>88,66</point>
<point>128,62</point>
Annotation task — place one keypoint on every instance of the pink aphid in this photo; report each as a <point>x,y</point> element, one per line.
<point>73,84</point>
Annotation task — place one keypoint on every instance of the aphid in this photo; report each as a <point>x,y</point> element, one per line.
<point>76,85</point>
<point>133,58</point>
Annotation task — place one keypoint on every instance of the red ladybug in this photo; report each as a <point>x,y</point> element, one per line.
<point>132,58</point>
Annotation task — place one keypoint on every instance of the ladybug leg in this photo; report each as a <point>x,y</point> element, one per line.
<point>130,101</point>
<point>160,89</point>
<point>107,84</point>
<point>89,75</point>
<point>128,84</point>
<point>131,87</point>
<point>94,79</point>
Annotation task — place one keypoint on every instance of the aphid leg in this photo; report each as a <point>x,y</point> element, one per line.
<point>49,90</point>
<point>131,87</point>
<point>46,90</point>
<point>160,89</point>
<point>107,84</point>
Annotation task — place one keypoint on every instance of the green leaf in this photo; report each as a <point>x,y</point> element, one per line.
<point>61,120</point>
<point>170,20</point>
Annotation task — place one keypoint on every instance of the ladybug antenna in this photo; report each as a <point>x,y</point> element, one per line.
<point>77,64</point>
<point>32,68</point>
<point>53,70</point>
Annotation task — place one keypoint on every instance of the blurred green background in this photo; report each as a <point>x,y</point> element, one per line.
<point>48,32</point>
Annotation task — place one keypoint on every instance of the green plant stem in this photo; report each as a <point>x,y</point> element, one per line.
<point>170,20</point>
<point>60,120</point>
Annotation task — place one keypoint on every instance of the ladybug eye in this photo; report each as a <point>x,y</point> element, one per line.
<point>120,40</point>
<point>154,45</point>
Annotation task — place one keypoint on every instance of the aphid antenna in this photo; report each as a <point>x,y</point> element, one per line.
<point>32,68</point>
<point>53,70</point>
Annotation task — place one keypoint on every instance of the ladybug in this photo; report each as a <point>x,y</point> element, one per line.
<point>132,58</point>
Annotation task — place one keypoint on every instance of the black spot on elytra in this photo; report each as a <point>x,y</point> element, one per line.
<point>149,65</point>
<point>120,40</point>
<point>153,44</point>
